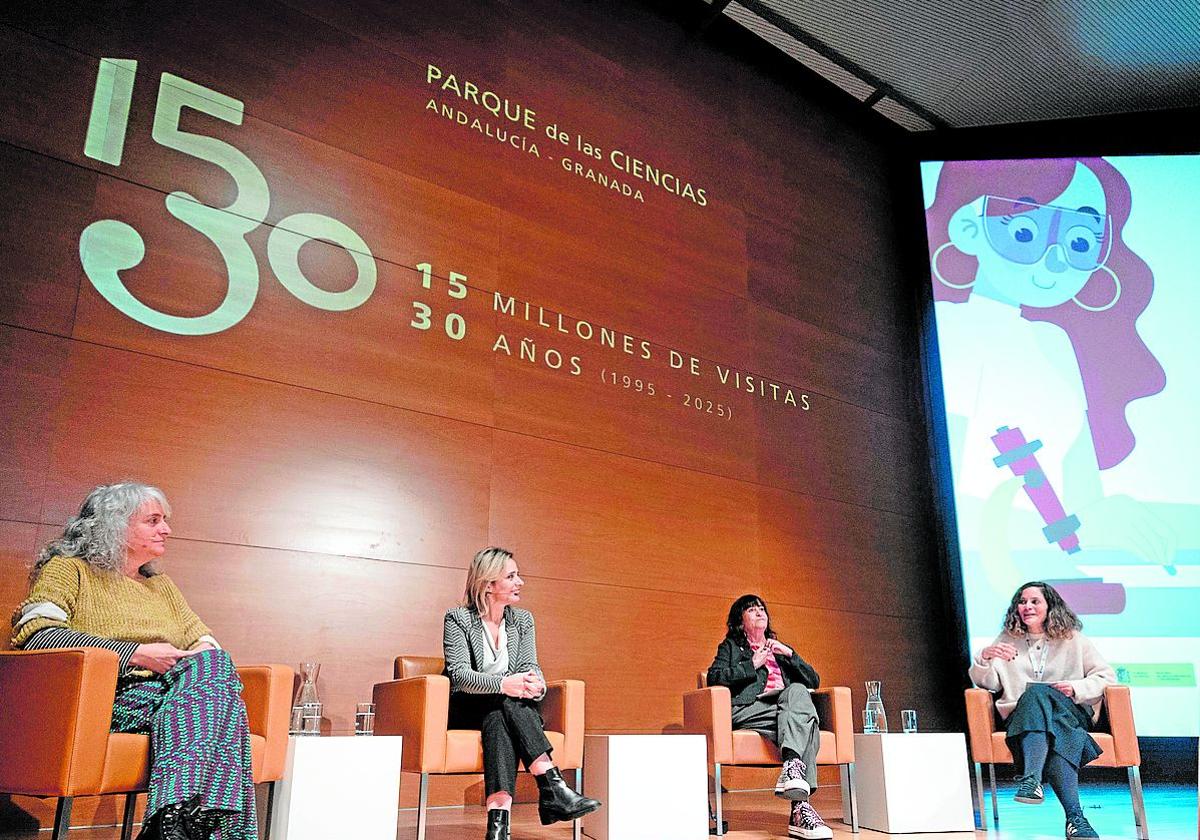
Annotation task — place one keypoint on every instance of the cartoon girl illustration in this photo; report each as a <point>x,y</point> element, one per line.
<point>1037,298</point>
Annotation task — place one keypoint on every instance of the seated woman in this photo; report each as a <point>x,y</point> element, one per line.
<point>769,685</point>
<point>1051,680</point>
<point>98,585</point>
<point>496,686</point>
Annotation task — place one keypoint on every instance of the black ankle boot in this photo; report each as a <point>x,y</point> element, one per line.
<point>149,828</point>
<point>497,828</point>
<point>557,802</point>
<point>171,824</point>
<point>200,822</point>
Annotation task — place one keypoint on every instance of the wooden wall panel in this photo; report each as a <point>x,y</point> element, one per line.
<point>586,411</point>
<point>333,472</point>
<point>40,285</point>
<point>885,648</point>
<point>828,554</point>
<point>371,353</point>
<point>33,365</point>
<point>668,295</point>
<point>255,463</point>
<point>809,452</point>
<point>677,532</point>
<point>18,544</point>
<point>824,278</point>
<point>403,219</point>
<point>797,352</point>
<point>359,614</point>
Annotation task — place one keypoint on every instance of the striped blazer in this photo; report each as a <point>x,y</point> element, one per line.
<point>463,644</point>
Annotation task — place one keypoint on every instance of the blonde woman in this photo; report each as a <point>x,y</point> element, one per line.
<point>496,686</point>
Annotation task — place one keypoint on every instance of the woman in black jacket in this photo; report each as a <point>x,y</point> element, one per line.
<point>769,684</point>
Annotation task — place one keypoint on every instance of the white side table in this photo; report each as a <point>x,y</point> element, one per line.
<point>915,782</point>
<point>338,787</point>
<point>654,787</point>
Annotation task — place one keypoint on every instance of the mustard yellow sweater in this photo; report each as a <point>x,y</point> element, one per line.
<point>73,595</point>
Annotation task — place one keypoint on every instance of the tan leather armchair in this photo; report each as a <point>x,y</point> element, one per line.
<point>1116,737</point>
<point>54,738</point>
<point>708,711</point>
<point>416,705</point>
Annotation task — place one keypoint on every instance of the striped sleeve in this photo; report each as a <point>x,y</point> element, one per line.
<point>457,652</point>
<point>64,637</point>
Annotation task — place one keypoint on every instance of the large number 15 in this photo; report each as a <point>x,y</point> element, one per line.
<point>108,246</point>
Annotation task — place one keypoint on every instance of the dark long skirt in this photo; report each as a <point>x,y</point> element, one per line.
<point>1043,708</point>
<point>199,739</point>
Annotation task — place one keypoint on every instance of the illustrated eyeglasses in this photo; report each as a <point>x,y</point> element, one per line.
<point>1021,230</point>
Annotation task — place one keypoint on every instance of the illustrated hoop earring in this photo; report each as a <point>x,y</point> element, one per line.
<point>1111,303</point>
<point>938,274</point>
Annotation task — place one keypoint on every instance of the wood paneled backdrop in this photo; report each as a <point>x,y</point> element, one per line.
<point>333,472</point>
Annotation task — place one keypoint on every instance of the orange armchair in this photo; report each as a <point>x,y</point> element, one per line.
<point>708,711</point>
<point>54,738</point>
<point>416,705</point>
<point>1116,736</point>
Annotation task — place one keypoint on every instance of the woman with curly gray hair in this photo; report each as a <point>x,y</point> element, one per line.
<point>98,585</point>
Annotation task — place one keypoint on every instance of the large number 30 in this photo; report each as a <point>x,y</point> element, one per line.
<point>108,246</point>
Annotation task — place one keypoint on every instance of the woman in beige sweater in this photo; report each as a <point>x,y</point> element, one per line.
<point>1050,680</point>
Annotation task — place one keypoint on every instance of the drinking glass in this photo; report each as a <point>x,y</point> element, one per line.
<point>364,719</point>
<point>312,719</point>
<point>296,726</point>
<point>908,720</point>
<point>870,722</point>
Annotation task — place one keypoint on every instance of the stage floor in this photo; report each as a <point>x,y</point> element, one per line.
<point>757,815</point>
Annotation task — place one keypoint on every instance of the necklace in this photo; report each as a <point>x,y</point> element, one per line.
<point>1038,662</point>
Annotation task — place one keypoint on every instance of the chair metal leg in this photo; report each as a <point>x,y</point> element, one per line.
<point>127,817</point>
<point>995,807</point>
<point>577,823</point>
<point>62,817</point>
<point>850,806</point>
<point>270,811</point>
<point>980,807</point>
<point>720,832</point>
<point>422,802</point>
<point>1139,805</point>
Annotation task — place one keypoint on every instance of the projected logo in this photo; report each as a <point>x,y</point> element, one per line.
<point>108,247</point>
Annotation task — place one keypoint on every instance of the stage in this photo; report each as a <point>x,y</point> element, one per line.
<point>758,815</point>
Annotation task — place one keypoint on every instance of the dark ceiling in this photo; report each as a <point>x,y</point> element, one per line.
<point>965,63</point>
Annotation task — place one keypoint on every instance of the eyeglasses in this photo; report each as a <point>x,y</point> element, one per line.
<point>1022,231</point>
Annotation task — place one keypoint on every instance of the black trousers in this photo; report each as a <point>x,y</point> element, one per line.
<point>512,730</point>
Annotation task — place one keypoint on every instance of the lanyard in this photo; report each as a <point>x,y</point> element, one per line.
<point>1038,662</point>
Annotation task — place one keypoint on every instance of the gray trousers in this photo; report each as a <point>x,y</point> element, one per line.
<point>788,720</point>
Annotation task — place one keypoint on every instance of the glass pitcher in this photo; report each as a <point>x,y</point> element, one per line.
<point>875,704</point>
<point>306,693</point>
